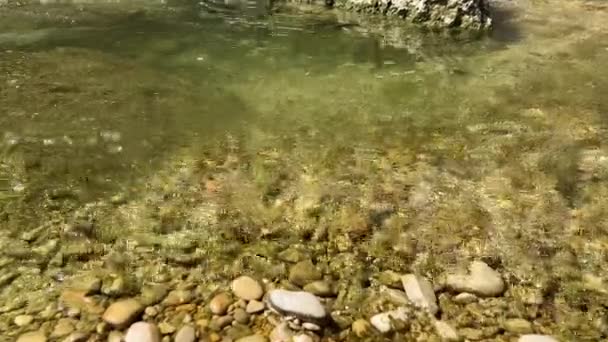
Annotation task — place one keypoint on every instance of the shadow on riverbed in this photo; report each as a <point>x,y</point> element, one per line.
<point>505,29</point>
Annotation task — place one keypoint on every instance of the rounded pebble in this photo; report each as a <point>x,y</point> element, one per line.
<point>142,332</point>
<point>302,305</point>
<point>186,334</point>
<point>23,320</point>
<point>247,288</point>
<point>220,303</point>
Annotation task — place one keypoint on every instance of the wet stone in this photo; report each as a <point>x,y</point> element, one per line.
<point>281,333</point>
<point>481,280</point>
<point>36,336</point>
<point>390,279</point>
<point>320,288</point>
<point>302,305</point>
<point>464,298</point>
<point>471,334</point>
<point>220,303</point>
<point>255,306</point>
<point>536,338</point>
<point>166,328</point>
<point>142,332</point>
<point>518,326</point>
<point>186,334</point>
<point>153,294</point>
<point>115,336</point>
<point>247,288</point>
<point>122,313</point>
<point>292,255</point>
<point>304,272</point>
<point>420,292</point>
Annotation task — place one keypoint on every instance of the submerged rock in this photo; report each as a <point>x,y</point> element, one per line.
<point>247,288</point>
<point>303,305</point>
<point>304,273</point>
<point>122,313</point>
<point>420,292</point>
<point>481,280</point>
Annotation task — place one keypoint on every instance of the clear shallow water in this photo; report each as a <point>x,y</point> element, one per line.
<point>227,131</point>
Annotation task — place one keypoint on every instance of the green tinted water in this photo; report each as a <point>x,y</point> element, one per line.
<point>225,130</point>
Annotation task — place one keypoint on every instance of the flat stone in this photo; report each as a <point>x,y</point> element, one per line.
<point>247,288</point>
<point>281,333</point>
<point>481,280</point>
<point>253,338</point>
<point>518,326</point>
<point>446,331</point>
<point>255,306</point>
<point>142,332</point>
<point>536,338</point>
<point>122,313</point>
<point>320,288</point>
<point>420,292</point>
<point>187,333</point>
<point>304,272</point>
<point>23,320</point>
<point>383,322</point>
<point>178,297</point>
<point>64,327</point>
<point>35,336</point>
<point>220,303</point>
<point>303,305</point>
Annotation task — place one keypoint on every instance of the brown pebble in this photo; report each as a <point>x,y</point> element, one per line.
<point>122,313</point>
<point>220,303</point>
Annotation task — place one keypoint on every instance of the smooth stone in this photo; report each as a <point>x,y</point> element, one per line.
<point>187,333</point>
<point>35,336</point>
<point>122,313</point>
<point>247,288</point>
<point>302,305</point>
<point>220,303</point>
<point>361,328</point>
<point>518,326</point>
<point>241,316</point>
<point>397,297</point>
<point>383,322</point>
<point>64,327</point>
<point>320,288</point>
<point>77,336</point>
<point>304,272</point>
<point>178,297</point>
<point>446,331</point>
<point>281,333</point>
<point>481,280</point>
<point>23,320</point>
<point>142,332</point>
<point>536,338</point>
<point>464,298</point>
<point>255,306</point>
<point>253,338</point>
<point>420,292</point>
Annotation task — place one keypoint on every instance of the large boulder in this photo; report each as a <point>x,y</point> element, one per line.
<point>465,14</point>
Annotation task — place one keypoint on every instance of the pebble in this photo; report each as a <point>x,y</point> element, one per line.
<point>320,288</point>
<point>481,280</point>
<point>446,331</point>
<point>518,326</point>
<point>383,322</point>
<point>303,273</point>
<point>142,332</point>
<point>219,323</point>
<point>122,313</point>
<point>23,320</point>
<point>36,336</point>
<point>361,328</point>
<point>153,294</point>
<point>186,334</point>
<point>255,306</point>
<point>536,338</point>
<point>178,297</point>
<point>115,336</point>
<point>241,316</point>
<point>302,305</point>
<point>77,336</point>
<point>281,333</point>
<point>64,327</point>
<point>420,292</point>
<point>311,326</point>
<point>464,298</point>
<point>220,303</point>
<point>253,338</point>
<point>247,288</point>
<point>166,328</point>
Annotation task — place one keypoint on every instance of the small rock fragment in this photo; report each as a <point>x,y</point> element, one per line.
<point>420,292</point>
<point>518,326</point>
<point>536,338</point>
<point>220,303</point>
<point>464,298</point>
<point>302,305</point>
<point>255,306</point>
<point>115,336</point>
<point>142,332</point>
<point>304,272</point>
<point>241,316</point>
<point>247,288</point>
<point>166,328</point>
<point>311,326</point>
<point>77,336</point>
<point>64,327</point>
<point>446,331</point>
<point>219,323</point>
<point>384,322</point>
<point>120,314</point>
<point>481,280</point>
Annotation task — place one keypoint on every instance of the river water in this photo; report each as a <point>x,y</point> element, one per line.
<point>194,147</point>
